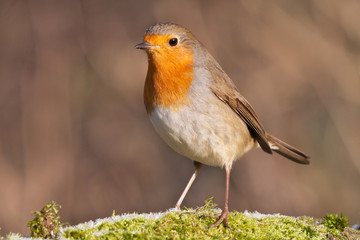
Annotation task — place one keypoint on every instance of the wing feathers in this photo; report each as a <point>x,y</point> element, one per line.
<point>247,114</point>
<point>226,91</point>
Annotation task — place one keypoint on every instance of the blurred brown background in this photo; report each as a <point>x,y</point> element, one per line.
<point>73,127</point>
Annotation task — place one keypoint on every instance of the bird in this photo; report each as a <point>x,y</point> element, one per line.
<point>196,108</point>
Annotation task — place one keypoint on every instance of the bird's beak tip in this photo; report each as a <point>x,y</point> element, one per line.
<point>144,45</point>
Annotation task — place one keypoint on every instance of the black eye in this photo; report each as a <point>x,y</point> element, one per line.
<point>173,42</point>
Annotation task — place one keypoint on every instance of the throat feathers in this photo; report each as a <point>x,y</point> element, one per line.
<point>169,76</point>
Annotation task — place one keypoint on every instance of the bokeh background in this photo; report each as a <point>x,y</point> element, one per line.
<point>73,127</point>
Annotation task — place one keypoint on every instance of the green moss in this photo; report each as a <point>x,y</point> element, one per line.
<point>191,224</point>
<point>46,222</point>
<point>336,221</point>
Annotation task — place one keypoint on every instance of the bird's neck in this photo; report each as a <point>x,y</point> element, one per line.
<point>168,80</point>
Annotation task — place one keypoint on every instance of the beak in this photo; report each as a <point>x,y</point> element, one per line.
<point>144,45</point>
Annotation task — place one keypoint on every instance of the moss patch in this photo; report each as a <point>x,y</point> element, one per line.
<point>191,224</point>
<point>46,223</point>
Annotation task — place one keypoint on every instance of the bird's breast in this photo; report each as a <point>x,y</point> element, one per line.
<point>168,79</point>
<point>205,129</point>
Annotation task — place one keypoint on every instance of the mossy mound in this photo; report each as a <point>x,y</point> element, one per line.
<point>191,224</point>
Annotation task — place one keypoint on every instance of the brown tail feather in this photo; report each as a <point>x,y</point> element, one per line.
<point>287,151</point>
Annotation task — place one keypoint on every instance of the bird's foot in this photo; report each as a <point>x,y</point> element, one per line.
<point>223,218</point>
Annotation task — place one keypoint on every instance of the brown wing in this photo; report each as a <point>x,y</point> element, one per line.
<point>226,91</point>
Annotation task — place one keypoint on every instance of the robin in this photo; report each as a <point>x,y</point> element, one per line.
<point>197,109</point>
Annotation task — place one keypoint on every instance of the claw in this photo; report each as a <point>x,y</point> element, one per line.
<point>223,218</point>
<point>224,214</point>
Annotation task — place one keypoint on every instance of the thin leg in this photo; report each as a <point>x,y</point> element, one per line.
<point>224,214</point>
<point>197,169</point>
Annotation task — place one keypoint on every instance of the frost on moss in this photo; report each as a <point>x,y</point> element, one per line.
<point>191,224</point>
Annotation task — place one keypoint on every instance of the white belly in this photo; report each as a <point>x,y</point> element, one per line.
<point>209,133</point>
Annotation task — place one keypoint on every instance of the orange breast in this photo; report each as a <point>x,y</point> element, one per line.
<point>169,77</point>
